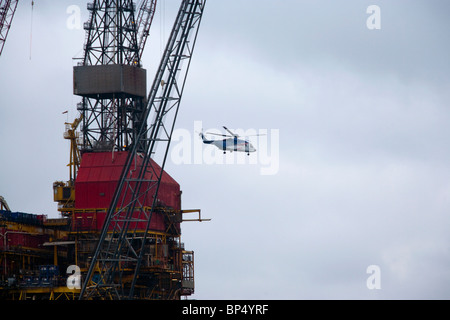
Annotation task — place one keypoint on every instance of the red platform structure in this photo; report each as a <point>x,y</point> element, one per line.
<point>97,179</point>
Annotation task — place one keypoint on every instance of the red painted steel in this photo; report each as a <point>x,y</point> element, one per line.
<point>14,239</point>
<point>97,180</point>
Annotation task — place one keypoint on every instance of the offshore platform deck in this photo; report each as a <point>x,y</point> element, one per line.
<point>43,258</point>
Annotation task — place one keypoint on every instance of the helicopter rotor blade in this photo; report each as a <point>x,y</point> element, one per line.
<point>218,134</point>
<point>233,134</point>
<point>256,135</point>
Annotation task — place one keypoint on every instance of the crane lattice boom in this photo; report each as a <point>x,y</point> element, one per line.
<point>7,10</point>
<point>144,22</point>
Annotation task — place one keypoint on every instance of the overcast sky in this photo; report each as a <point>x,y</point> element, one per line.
<point>358,141</point>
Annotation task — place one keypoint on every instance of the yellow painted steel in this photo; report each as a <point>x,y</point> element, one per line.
<point>48,293</point>
<point>64,192</point>
<point>72,135</point>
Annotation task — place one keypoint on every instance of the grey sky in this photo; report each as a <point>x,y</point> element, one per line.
<point>364,175</point>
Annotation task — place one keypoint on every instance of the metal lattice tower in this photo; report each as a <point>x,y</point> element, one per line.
<point>7,10</point>
<point>120,244</point>
<point>114,96</point>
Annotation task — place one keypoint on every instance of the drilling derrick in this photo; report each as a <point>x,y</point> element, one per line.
<point>109,77</point>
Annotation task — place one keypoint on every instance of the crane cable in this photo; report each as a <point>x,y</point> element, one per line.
<point>31,27</point>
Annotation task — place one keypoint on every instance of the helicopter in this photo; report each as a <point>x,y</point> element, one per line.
<point>230,143</point>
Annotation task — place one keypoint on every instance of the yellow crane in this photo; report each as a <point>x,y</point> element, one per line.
<point>64,192</point>
<point>72,135</point>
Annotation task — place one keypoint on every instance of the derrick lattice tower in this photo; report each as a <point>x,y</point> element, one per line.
<point>110,77</point>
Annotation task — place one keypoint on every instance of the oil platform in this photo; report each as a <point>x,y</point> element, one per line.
<point>119,231</point>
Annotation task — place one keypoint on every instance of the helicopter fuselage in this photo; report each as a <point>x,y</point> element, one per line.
<point>231,144</point>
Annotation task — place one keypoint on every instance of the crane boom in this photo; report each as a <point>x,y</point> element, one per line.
<point>144,22</point>
<point>7,11</point>
<point>75,156</point>
<point>119,243</point>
